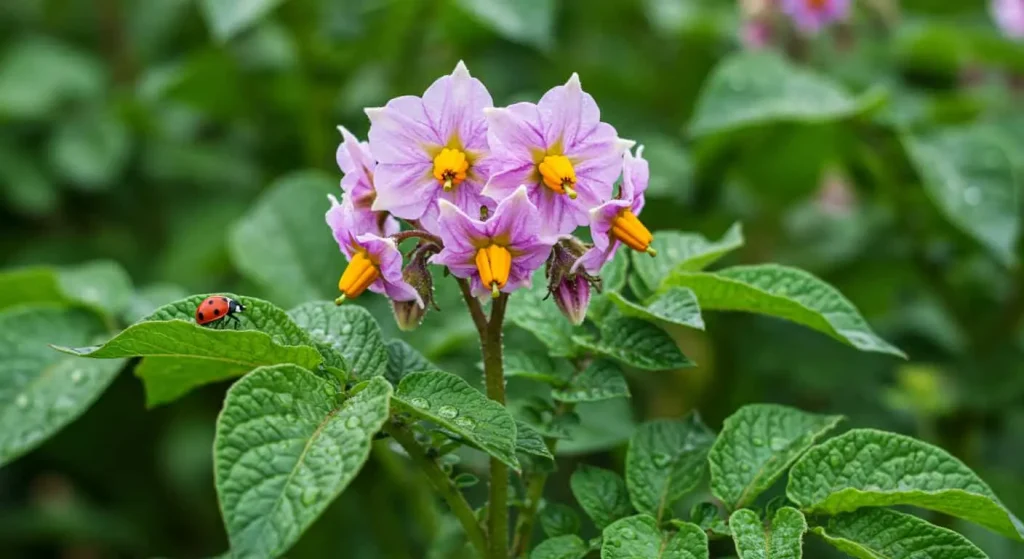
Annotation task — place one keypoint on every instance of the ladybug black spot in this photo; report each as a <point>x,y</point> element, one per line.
<point>216,312</point>
<point>201,317</point>
<point>210,302</point>
<point>223,299</point>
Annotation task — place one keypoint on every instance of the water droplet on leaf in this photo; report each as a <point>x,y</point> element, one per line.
<point>309,496</point>
<point>662,460</point>
<point>77,376</point>
<point>972,196</point>
<point>285,399</point>
<point>346,329</point>
<point>779,443</point>
<point>757,441</point>
<point>420,403</point>
<point>447,412</point>
<point>628,534</point>
<point>22,401</point>
<point>465,422</point>
<point>352,422</point>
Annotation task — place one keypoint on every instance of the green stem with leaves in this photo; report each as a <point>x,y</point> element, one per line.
<point>494,378</point>
<point>442,483</point>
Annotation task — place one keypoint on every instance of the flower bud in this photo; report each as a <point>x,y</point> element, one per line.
<point>409,314</point>
<point>571,290</point>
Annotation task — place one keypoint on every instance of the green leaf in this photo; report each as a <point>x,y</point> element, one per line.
<point>404,359</point>
<point>449,401</point>
<point>968,175</point>
<point>601,380</point>
<point>284,246</point>
<point>636,343</point>
<point>538,366</point>
<point>349,331</point>
<point>709,517</point>
<point>227,18</point>
<point>529,22</point>
<point>869,468</point>
<point>756,446</point>
<point>102,285</point>
<point>682,252</point>
<point>615,271</point>
<point>783,541</point>
<point>755,88</point>
<point>786,293</point>
<point>638,536</point>
<point>180,355</point>
<point>37,75</point>
<point>677,305</point>
<point>148,299</point>
<point>557,519</point>
<point>287,444</point>
<point>666,460</point>
<point>528,309</point>
<point>530,441</point>
<point>602,494</point>
<point>91,149</point>
<point>569,546</point>
<point>42,390</point>
<point>881,533</point>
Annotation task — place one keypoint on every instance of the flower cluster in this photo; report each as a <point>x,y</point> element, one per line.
<point>490,193</point>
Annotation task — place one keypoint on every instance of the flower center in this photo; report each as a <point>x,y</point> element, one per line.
<point>450,168</point>
<point>627,228</point>
<point>494,262</point>
<point>558,174</point>
<point>816,4</point>
<point>358,275</point>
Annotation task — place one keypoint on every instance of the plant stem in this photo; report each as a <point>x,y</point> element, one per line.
<point>417,234</point>
<point>494,375</point>
<point>474,309</point>
<point>451,494</point>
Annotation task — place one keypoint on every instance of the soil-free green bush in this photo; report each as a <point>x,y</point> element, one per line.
<point>318,384</point>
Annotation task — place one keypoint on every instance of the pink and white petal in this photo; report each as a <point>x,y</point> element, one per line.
<point>530,255</point>
<point>400,131</point>
<point>353,156</point>
<point>636,174</point>
<point>389,225</point>
<point>594,259</point>
<point>460,233</point>
<point>477,289</point>
<point>389,260</point>
<point>601,219</point>
<point>604,140</point>
<point>514,219</point>
<point>405,190</point>
<point>568,113</point>
<point>509,175</point>
<point>455,105</point>
<point>517,280</point>
<point>344,224</point>
<point>513,131</point>
<point>557,213</point>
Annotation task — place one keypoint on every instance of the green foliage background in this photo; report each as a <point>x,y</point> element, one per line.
<point>156,134</point>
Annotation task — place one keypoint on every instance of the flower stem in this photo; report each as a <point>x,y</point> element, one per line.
<point>443,484</point>
<point>474,309</point>
<point>417,234</point>
<point>491,347</point>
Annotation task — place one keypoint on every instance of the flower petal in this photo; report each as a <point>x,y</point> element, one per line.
<point>515,219</point>
<point>601,219</point>
<point>557,213</point>
<point>345,224</point>
<point>594,259</point>
<point>513,131</point>
<point>405,190</point>
<point>568,114</point>
<point>389,260</point>
<point>508,175</point>
<point>400,131</point>
<point>454,104</point>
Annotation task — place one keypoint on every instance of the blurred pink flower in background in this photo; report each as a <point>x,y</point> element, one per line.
<point>1009,16</point>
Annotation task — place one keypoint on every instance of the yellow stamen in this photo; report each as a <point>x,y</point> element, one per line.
<point>627,228</point>
<point>494,263</point>
<point>450,168</point>
<point>558,174</point>
<point>358,275</point>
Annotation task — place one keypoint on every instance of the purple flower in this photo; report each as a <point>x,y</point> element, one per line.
<point>499,254</point>
<point>1009,15</point>
<point>572,296</point>
<point>559,148</point>
<point>374,262</point>
<point>615,222</point>
<point>355,161</point>
<point>432,148</point>
<point>810,16</point>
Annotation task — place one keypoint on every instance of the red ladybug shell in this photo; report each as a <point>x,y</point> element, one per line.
<point>216,308</point>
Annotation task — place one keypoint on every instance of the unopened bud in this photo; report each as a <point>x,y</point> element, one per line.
<point>571,290</point>
<point>409,314</point>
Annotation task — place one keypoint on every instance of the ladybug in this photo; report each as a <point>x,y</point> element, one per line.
<point>216,308</point>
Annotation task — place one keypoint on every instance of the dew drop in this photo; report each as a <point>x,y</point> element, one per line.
<point>628,534</point>
<point>285,399</point>
<point>972,196</point>
<point>22,401</point>
<point>835,460</point>
<point>420,403</point>
<point>582,395</point>
<point>757,441</point>
<point>63,403</point>
<point>662,460</point>
<point>779,443</point>
<point>77,376</point>
<point>352,422</point>
<point>448,412</point>
<point>745,467</point>
<point>310,495</point>
<point>346,329</point>
<point>465,423</point>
